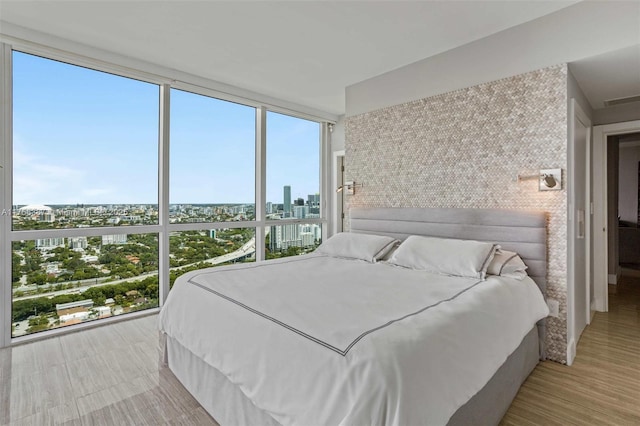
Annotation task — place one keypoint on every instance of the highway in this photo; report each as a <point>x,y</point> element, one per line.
<point>247,249</point>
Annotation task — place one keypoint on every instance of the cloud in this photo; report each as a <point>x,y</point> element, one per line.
<point>96,192</point>
<point>36,181</point>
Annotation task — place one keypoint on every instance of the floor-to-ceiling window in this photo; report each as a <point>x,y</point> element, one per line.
<point>108,208</point>
<point>85,158</point>
<point>212,182</point>
<point>293,186</point>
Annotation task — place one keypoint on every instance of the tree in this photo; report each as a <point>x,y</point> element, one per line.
<point>38,278</point>
<point>15,267</point>
<point>39,323</point>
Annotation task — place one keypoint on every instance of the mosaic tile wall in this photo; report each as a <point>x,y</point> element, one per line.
<point>465,149</point>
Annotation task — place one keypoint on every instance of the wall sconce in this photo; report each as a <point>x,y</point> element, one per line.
<point>548,179</point>
<point>349,187</point>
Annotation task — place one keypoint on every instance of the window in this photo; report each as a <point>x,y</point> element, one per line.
<point>293,186</point>
<point>89,234</point>
<point>85,147</point>
<point>292,239</point>
<point>191,250</point>
<point>85,156</point>
<point>212,159</point>
<point>57,282</point>
<point>293,167</point>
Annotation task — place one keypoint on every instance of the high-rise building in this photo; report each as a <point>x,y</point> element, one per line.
<point>313,200</point>
<point>300,212</point>
<point>281,237</point>
<point>49,243</point>
<point>306,239</point>
<point>78,243</point>
<point>114,239</point>
<point>287,201</point>
<point>312,229</point>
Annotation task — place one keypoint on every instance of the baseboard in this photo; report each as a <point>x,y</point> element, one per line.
<point>571,351</point>
<point>613,279</point>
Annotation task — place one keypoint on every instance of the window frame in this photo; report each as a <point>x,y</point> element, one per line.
<point>163,228</point>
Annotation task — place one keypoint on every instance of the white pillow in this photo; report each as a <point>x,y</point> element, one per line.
<point>507,264</point>
<point>462,258</point>
<point>358,246</point>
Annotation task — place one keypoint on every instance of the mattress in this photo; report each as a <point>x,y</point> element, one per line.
<point>229,406</point>
<point>323,340</point>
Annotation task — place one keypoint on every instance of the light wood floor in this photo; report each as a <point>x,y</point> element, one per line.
<point>102,376</point>
<point>602,387</point>
<point>110,376</point>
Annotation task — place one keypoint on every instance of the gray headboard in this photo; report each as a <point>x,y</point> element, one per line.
<point>521,231</point>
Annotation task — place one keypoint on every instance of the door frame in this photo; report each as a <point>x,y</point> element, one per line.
<point>577,115</point>
<point>600,217</point>
<point>337,179</point>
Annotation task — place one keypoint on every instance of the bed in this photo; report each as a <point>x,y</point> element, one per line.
<point>324,339</point>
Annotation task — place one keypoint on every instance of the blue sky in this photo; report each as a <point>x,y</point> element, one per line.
<point>82,136</point>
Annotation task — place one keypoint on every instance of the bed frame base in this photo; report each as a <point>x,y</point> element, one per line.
<point>229,406</point>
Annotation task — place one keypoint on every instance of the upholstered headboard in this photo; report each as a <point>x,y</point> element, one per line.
<point>521,231</point>
<point>524,232</point>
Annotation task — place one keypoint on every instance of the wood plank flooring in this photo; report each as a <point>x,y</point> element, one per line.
<point>110,376</point>
<point>602,387</point>
<point>102,376</point>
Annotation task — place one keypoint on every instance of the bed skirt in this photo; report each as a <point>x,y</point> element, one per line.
<point>229,406</point>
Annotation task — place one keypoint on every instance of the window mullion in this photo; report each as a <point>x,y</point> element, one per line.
<point>6,105</point>
<point>325,182</point>
<point>163,194</point>
<point>261,186</point>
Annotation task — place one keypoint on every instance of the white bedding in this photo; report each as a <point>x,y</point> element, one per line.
<point>317,340</point>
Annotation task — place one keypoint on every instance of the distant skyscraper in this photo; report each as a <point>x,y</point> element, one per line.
<point>287,201</point>
<point>313,200</point>
<point>300,212</point>
<point>282,237</point>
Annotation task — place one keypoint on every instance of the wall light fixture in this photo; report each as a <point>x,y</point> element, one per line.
<point>548,179</point>
<point>349,187</point>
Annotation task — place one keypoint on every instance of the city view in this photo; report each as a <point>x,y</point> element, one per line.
<point>59,281</point>
<point>86,154</point>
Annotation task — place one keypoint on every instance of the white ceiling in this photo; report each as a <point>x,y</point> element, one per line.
<point>612,75</point>
<point>305,52</point>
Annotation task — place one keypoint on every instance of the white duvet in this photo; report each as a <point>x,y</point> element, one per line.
<point>317,340</point>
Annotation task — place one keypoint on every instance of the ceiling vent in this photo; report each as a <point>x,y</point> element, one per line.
<point>620,101</point>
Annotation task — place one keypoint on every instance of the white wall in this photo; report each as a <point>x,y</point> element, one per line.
<point>337,136</point>
<point>617,114</point>
<point>628,182</point>
<point>575,92</point>
<point>573,33</point>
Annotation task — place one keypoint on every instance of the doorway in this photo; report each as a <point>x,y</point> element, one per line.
<point>607,207</point>
<point>628,237</point>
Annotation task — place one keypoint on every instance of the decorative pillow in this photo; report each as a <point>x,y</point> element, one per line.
<point>507,264</point>
<point>358,246</point>
<point>462,258</point>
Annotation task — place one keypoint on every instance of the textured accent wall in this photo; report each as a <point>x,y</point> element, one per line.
<point>464,149</point>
